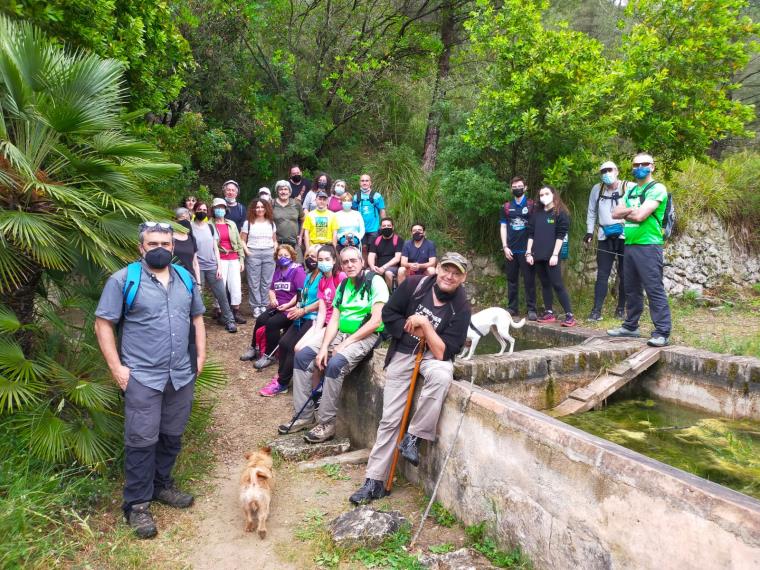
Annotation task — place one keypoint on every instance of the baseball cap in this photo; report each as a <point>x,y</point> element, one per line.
<point>264,190</point>
<point>608,164</point>
<point>457,260</point>
<point>218,202</point>
<point>322,194</point>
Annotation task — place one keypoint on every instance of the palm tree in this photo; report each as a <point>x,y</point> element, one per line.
<point>72,190</point>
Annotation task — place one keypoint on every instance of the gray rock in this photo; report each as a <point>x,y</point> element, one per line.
<point>364,526</point>
<point>462,559</point>
<point>294,448</point>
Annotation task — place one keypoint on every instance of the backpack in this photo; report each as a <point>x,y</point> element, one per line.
<point>669,217</point>
<point>365,287</point>
<point>134,275</point>
<point>358,198</point>
<point>395,240</point>
<point>529,204</point>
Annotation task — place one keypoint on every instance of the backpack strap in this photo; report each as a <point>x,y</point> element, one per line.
<point>131,284</point>
<point>377,241</point>
<point>643,194</point>
<point>185,277</point>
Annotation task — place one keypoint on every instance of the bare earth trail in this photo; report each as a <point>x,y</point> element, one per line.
<point>243,420</point>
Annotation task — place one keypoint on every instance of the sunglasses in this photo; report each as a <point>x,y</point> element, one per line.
<point>162,225</point>
<point>637,164</point>
<point>603,170</point>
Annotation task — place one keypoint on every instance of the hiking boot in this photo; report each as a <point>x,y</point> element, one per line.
<point>658,341</point>
<point>273,388</point>
<point>320,433</point>
<point>263,362</point>
<point>513,312</point>
<point>620,313</point>
<point>409,450</point>
<point>299,425</point>
<point>595,316</point>
<point>532,316</point>
<point>173,497</point>
<point>230,327</point>
<point>569,321</point>
<point>238,318</point>
<point>371,490</point>
<point>251,354</point>
<point>547,317</point>
<point>624,332</point>
<point>141,521</point>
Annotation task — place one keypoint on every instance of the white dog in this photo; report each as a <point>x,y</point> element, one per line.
<point>495,320</point>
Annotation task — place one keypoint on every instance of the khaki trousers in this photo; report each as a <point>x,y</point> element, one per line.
<point>437,375</point>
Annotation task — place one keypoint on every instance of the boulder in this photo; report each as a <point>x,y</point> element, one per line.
<point>364,526</point>
<point>293,447</point>
<point>462,559</point>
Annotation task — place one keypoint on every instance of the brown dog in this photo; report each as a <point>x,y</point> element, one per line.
<point>256,485</point>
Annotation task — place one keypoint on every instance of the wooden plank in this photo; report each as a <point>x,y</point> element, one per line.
<point>585,398</point>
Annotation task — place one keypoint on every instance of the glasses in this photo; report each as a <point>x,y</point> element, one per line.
<point>637,164</point>
<point>161,225</point>
<point>603,170</point>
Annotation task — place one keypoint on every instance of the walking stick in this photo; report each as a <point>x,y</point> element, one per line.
<point>405,417</point>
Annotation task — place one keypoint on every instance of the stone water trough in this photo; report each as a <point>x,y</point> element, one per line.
<point>568,498</point>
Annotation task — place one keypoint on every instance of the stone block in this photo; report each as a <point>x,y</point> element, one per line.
<point>294,448</point>
<point>364,526</point>
<point>462,559</point>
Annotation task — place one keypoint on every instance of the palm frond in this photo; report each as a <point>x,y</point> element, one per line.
<point>48,435</point>
<point>17,367</point>
<point>92,395</point>
<point>90,447</point>
<point>9,323</point>
<point>13,267</point>
<point>36,234</point>
<point>15,395</point>
<point>212,378</point>
<point>17,159</point>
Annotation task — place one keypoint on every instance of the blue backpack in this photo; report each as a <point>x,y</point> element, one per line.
<point>134,274</point>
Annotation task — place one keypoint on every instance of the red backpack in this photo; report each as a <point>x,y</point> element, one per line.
<point>395,240</point>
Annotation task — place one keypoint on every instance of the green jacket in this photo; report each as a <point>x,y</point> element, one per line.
<point>237,244</point>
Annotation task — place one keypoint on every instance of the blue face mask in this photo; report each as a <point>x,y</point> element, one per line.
<point>608,178</point>
<point>219,212</point>
<point>325,266</point>
<point>284,261</point>
<point>641,172</point>
<point>346,206</point>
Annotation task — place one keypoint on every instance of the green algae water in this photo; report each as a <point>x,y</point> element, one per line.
<point>489,345</point>
<point>720,450</point>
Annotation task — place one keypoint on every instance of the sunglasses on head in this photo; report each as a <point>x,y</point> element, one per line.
<point>162,225</point>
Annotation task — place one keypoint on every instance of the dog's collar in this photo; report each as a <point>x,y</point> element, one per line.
<point>480,334</point>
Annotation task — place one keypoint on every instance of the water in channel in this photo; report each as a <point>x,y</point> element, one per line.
<point>718,449</point>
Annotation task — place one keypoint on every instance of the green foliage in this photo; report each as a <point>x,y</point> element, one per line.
<point>334,472</point>
<point>729,189</point>
<point>686,53</point>
<point>442,548</point>
<point>390,554</point>
<point>141,34</point>
<point>442,516</point>
<point>487,547</point>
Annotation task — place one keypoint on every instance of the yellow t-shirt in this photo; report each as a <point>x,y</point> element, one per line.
<point>321,226</point>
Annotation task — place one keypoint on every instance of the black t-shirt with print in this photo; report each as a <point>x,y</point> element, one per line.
<point>427,308</point>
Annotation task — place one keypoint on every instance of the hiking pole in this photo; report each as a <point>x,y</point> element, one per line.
<point>405,417</point>
<point>313,397</point>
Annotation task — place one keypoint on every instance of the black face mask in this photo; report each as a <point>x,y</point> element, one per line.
<point>311,264</point>
<point>201,216</point>
<point>442,295</point>
<point>158,258</point>
<point>518,192</point>
<point>417,236</point>
<point>185,224</point>
<point>386,232</point>
<point>322,185</point>
<point>296,179</point>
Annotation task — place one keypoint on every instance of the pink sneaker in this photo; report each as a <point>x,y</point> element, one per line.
<point>273,388</point>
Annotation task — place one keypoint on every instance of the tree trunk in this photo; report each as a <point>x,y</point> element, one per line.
<point>21,302</point>
<point>433,131</point>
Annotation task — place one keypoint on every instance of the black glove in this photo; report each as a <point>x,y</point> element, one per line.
<point>588,237</point>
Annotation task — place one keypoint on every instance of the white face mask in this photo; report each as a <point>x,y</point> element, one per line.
<point>546,199</point>
<point>340,190</point>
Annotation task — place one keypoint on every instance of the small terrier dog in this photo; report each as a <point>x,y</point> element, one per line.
<point>495,320</point>
<point>256,485</point>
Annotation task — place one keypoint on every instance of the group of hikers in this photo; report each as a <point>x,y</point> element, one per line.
<point>328,278</point>
<point>629,219</point>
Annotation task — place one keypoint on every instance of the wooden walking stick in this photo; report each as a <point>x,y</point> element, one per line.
<point>405,417</point>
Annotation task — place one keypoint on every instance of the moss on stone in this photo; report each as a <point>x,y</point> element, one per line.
<point>710,366</point>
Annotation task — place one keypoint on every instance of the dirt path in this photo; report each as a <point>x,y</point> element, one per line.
<point>243,420</point>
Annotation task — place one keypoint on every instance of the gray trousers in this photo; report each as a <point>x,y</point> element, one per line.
<point>438,375</point>
<point>219,290</point>
<point>642,271</point>
<point>338,366</point>
<point>259,269</point>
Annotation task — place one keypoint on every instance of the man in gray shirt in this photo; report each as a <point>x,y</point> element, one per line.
<point>156,366</point>
<point>602,201</point>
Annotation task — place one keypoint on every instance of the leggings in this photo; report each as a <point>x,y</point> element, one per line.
<point>287,350</point>
<point>551,278</point>
<point>274,321</point>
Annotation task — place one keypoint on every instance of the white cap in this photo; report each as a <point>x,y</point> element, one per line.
<point>608,164</point>
<point>264,190</point>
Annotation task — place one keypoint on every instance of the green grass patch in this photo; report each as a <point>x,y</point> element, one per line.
<point>442,516</point>
<point>335,472</point>
<point>390,554</point>
<point>488,548</point>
